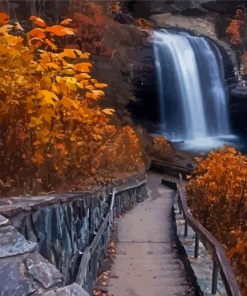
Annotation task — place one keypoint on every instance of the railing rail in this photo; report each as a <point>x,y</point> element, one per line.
<point>220,261</point>
<point>88,252</point>
<point>171,167</point>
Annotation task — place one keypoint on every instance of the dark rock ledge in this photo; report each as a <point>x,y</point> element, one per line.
<point>23,271</point>
<point>42,238</point>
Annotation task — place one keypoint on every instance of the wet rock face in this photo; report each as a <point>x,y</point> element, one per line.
<point>238,109</point>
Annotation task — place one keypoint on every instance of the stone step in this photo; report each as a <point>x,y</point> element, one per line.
<point>147,261</point>
<point>163,260</point>
<point>150,290</point>
<point>136,249</point>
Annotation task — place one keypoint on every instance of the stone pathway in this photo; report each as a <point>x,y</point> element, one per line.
<point>147,263</point>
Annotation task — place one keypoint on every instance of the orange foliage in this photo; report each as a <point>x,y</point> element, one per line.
<point>218,198</point>
<point>46,36</point>
<point>4,18</point>
<point>115,7</point>
<point>236,26</point>
<point>52,130</point>
<point>160,148</point>
<point>92,20</point>
<point>144,24</point>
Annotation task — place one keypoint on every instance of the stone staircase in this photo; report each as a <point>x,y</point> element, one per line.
<point>147,261</point>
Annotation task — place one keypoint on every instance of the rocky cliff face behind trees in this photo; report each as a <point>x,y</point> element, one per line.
<point>125,59</point>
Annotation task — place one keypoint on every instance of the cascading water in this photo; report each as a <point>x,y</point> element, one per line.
<point>190,76</point>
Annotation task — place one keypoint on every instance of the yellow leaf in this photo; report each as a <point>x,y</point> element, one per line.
<point>37,32</point>
<point>83,67</point>
<point>53,66</point>
<point>89,87</point>
<point>49,97</point>
<point>37,21</point>
<point>108,111</point>
<point>21,80</point>
<point>85,55</point>
<point>82,76</point>
<point>51,44</point>
<point>4,18</point>
<point>69,31</point>
<point>66,22</point>
<point>61,31</point>
<point>90,95</point>
<point>35,121</point>
<point>48,114</point>
<point>99,93</point>
<point>100,85</point>
<point>70,53</point>
<point>37,42</point>
<point>94,94</point>
<point>55,89</point>
<point>67,102</point>
<point>67,72</point>
<point>46,82</point>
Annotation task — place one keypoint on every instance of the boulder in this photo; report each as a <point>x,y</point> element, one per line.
<point>14,243</point>
<point>13,281</point>
<point>43,271</point>
<point>194,24</point>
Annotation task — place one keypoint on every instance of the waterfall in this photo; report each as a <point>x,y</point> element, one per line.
<point>190,78</point>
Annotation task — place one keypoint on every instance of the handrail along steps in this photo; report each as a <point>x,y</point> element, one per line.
<point>88,252</point>
<point>220,261</point>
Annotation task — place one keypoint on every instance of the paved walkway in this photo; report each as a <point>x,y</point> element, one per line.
<point>147,263</point>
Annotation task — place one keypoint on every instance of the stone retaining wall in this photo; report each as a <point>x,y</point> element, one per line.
<point>42,238</point>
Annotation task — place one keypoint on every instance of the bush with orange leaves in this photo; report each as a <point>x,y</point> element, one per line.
<point>217,195</point>
<point>52,129</point>
<point>92,22</point>
<point>236,28</point>
<point>160,148</point>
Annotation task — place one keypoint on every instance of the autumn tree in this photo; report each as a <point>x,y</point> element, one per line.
<point>53,131</point>
<point>218,198</point>
<point>236,29</point>
<point>91,20</point>
<point>96,21</point>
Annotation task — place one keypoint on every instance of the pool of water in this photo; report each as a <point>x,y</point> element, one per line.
<point>209,143</point>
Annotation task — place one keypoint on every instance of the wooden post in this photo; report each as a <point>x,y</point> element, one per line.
<point>196,246</point>
<point>215,277</point>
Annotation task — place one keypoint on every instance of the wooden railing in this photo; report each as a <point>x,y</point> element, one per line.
<point>89,251</point>
<point>220,261</point>
<point>170,168</point>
